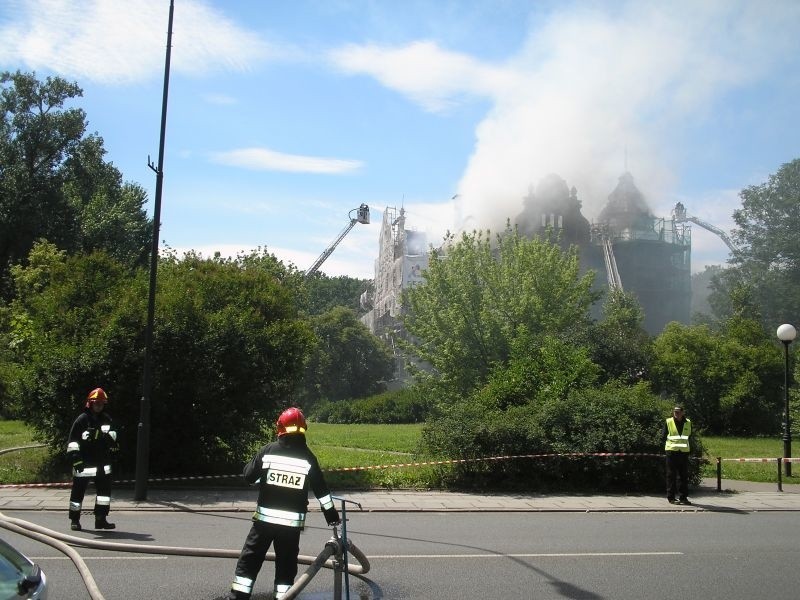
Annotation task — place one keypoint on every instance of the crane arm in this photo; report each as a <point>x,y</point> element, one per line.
<point>722,235</point>
<point>679,213</point>
<point>329,250</point>
<point>362,216</point>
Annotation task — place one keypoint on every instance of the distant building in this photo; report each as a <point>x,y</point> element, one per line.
<point>627,247</point>
<point>402,257</point>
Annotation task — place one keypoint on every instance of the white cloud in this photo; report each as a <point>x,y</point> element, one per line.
<point>122,42</point>
<point>591,87</point>
<point>263,159</point>
<point>422,71</point>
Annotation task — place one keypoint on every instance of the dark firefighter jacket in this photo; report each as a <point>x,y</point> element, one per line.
<point>285,470</point>
<point>92,440</point>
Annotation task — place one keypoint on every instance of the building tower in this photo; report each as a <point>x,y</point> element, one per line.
<point>652,255</point>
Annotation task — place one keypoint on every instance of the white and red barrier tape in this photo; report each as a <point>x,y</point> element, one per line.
<point>762,460</point>
<point>371,467</point>
<point>414,464</point>
<point>489,458</point>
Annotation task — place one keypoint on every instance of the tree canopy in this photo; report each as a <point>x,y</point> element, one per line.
<point>348,362</point>
<point>229,350</point>
<point>730,380</point>
<point>54,182</point>
<point>766,264</point>
<point>619,343</point>
<point>483,304</point>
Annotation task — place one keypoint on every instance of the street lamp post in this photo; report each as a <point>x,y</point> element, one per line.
<point>786,334</point>
<point>143,432</point>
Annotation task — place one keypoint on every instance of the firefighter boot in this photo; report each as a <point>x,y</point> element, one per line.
<point>75,520</point>
<point>101,523</point>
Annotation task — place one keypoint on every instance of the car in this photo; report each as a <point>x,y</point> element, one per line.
<point>20,577</point>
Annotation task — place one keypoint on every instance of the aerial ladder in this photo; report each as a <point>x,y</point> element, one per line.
<point>362,216</point>
<point>679,216</point>
<point>612,273</point>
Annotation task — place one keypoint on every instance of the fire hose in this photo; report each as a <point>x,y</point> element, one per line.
<point>62,542</point>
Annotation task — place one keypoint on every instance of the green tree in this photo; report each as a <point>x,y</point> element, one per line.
<point>54,183</point>
<point>324,293</point>
<point>729,381</point>
<point>618,343</point>
<point>229,350</point>
<point>484,304</point>
<point>347,362</point>
<point>767,260</point>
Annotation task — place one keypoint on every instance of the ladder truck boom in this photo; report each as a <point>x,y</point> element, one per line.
<point>612,273</point>
<point>362,216</point>
<point>680,216</point>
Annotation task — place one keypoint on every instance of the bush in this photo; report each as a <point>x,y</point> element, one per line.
<point>400,406</point>
<point>556,436</point>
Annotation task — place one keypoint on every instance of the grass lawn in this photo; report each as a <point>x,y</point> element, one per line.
<point>360,456</point>
<point>727,447</point>
<point>20,466</point>
<point>372,450</point>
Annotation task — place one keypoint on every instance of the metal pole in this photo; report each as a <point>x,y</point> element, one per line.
<point>143,433</point>
<point>787,432</point>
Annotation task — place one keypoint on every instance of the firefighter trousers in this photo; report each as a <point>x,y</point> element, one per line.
<point>262,535</point>
<point>102,502</point>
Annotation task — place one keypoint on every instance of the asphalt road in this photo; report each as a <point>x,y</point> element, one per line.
<point>453,556</point>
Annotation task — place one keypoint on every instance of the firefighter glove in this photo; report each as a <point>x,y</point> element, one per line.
<point>332,516</point>
<point>78,465</point>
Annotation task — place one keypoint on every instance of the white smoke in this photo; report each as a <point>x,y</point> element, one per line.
<point>596,90</point>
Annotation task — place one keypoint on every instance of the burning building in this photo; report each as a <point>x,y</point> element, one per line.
<point>627,246</point>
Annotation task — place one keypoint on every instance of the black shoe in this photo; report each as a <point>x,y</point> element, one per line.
<point>672,500</point>
<point>684,501</point>
<point>103,524</point>
<point>75,525</point>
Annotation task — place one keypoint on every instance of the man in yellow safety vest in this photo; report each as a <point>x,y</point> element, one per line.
<point>677,430</point>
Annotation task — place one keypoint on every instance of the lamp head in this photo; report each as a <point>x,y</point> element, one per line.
<point>786,333</point>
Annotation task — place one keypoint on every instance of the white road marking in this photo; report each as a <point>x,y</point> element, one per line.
<point>541,555</point>
<point>39,558</point>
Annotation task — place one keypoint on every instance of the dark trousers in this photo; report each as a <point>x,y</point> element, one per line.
<point>677,474</point>
<point>79,484</point>
<point>261,537</point>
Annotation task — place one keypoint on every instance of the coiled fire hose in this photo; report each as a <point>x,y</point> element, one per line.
<point>60,541</point>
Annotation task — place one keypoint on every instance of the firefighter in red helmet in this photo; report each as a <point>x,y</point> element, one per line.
<point>285,470</point>
<point>91,446</point>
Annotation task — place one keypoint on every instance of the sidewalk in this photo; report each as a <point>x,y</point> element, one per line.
<point>737,496</point>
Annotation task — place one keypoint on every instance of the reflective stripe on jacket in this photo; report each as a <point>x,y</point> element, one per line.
<point>279,517</point>
<point>678,442</point>
<point>286,470</point>
<point>92,471</point>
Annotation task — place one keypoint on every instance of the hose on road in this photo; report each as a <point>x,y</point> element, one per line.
<point>62,542</point>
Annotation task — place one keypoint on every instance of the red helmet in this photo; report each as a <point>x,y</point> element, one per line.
<point>291,421</point>
<point>96,395</point>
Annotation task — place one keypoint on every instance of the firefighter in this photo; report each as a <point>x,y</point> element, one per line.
<point>285,470</point>
<point>91,446</point>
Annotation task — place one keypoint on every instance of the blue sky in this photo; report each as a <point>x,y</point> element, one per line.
<point>285,116</point>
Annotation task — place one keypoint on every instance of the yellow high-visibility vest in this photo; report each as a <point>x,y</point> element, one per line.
<point>677,442</point>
